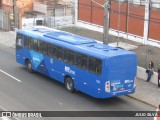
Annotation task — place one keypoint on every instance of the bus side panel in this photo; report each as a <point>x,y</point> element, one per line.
<point>55,69</point>
<point>19,56</point>
<point>87,82</point>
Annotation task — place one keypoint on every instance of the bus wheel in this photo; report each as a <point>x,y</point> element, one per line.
<point>69,85</point>
<point>29,66</point>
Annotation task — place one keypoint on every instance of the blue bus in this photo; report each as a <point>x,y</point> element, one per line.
<point>82,64</point>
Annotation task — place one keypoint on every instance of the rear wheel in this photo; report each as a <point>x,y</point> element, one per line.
<point>29,66</point>
<point>69,84</point>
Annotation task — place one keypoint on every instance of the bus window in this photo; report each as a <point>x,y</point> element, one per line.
<point>26,42</point>
<point>19,44</point>
<point>84,62</point>
<point>91,64</point>
<point>35,45</point>
<point>44,48</point>
<point>30,40</point>
<point>71,57</point>
<point>78,60</point>
<point>98,66</point>
<point>50,50</point>
<point>39,46</point>
<point>66,55</point>
<point>55,49</point>
<point>59,53</point>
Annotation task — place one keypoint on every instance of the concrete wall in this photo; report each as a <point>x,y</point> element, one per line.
<point>141,73</point>
<point>42,8</point>
<point>141,28</point>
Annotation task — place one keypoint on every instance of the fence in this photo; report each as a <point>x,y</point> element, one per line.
<point>53,18</point>
<point>4,20</point>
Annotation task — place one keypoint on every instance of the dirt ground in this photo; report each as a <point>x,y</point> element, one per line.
<point>145,53</point>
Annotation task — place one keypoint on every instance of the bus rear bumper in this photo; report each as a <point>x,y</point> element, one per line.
<point>115,94</point>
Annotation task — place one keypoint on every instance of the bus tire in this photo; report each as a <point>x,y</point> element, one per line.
<point>29,66</point>
<point>69,84</point>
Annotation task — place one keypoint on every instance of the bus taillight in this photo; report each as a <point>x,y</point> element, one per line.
<point>107,86</point>
<point>135,82</point>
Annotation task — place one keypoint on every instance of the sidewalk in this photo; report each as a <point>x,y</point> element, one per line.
<point>148,93</point>
<point>7,38</point>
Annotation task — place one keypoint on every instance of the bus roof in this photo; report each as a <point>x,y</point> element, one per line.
<point>76,42</point>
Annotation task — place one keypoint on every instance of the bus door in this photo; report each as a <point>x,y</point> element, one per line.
<point>19,47</point>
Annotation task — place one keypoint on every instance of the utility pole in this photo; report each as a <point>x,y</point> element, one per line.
<point>119,19</point>
<point>106,7</point>
<point>15,14</point>
<point>106,22</point>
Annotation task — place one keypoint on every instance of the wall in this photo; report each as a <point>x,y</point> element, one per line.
<point>88,18</point>
<point>154,24</point>
<point>40,7</point>
<point>141,73</point>
<point>25,5</point>
<point>90,12</point>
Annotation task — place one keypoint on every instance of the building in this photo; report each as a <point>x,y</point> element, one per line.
<point>0,3</point>
<point>34,8</point>
<point>22,5</point>
<point>137,20</point>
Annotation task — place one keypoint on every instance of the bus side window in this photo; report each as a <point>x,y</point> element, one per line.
<point>71,57</point>
<point>84,62</point>
<point>98,66</point>
<point>66,55</point>
<point>91,64</point>
<point>19,44</point>
<point>35,45</point>
<point>26,42</point>
<point>78,60</point>
<point>59,53</point>
<point>30,43</point>
<point>39,47</point>
<point>50,50</point>
<point>55,51</point>
<point>44,48</point>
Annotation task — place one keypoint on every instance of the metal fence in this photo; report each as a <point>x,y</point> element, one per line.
<point>55,19</point>
<point>4,20</point>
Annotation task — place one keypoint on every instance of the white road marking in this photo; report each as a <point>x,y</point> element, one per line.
<point>10,75</point>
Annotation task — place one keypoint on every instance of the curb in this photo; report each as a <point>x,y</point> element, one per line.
<point>142,101</point>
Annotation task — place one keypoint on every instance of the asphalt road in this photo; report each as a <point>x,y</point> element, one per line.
<point>24,91</point>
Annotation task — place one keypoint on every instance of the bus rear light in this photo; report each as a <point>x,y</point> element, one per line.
<point>107,86</point>
<point>135,82</point>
